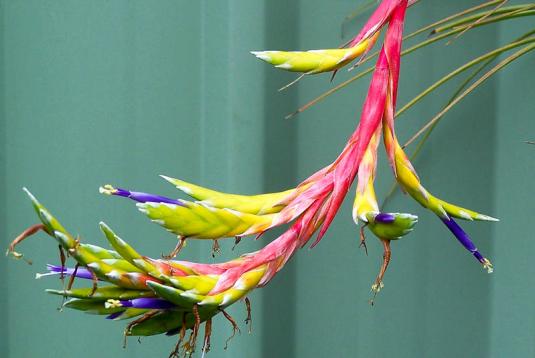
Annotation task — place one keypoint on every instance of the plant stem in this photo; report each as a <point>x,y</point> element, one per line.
<point>461,69</point>
<point>422,44</point>
<point>463,85</point>
<point>482,79</point>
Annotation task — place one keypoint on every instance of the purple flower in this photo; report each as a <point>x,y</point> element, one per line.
<point>81,272</point>
<point>114,315</point>
<point>145,303</point>
<point>385,218</point>
<point>138,196</point>
<point>465,240</point>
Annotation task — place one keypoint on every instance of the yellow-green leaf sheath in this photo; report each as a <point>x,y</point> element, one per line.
<point>409,181</point>
<point>100,252</point>
<point>91,306</point>
<point>365,199</point>
<point>314,61</point>
<point>205,222</point>
<point>365,202</point>
<point>84,255</point>
<point>103,293</point>
<point>188,291</point>
<point>251,204</point>
<point>131,255</point>
<point>389,226</point>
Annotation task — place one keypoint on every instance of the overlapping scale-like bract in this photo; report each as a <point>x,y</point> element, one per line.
<point>315,61</point>
<point>172,296</point>
<point>386,226</point>
<point>408,179</point>
<point>216,215</point>
<point>251,204</point>
<point>168,295</point>
<point>200,221</point>
<point>365,198</point>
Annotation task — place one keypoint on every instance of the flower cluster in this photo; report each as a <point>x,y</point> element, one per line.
<point>172,296</point>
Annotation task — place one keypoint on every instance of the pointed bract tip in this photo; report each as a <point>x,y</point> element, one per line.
<point>344,58</point>
<point>32,198</point>
<point>165,177</point>
<point>263,55</point>
<point>407,216</point>
<point>108,232</point>
<point>142,206</point>
<point>443,213</point>
<point>143,210</point>
<point>61,236</point>
<point>463,214</point>
<point>486,218</point>
<point>284,66</point>
<point>152,284</point>
<point>104,227</point>
<point>54,292</point>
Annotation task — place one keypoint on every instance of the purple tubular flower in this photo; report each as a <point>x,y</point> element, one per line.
<point>147,303</point>
<point>114,315</point>
<point>463,238</point>
<point>145,197</point>
<point>385,218</point>
<point>81,272</point>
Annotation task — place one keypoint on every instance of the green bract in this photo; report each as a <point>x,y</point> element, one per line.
<point>401,225</point>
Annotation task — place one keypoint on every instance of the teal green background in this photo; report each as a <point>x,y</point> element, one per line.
<point>97,92</point>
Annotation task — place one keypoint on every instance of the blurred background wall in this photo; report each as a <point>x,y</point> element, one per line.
<point>121,91</point>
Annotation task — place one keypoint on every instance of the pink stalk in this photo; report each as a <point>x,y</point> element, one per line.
<point>392,46</point>
<point>321,195</point>
<point>377,20</point>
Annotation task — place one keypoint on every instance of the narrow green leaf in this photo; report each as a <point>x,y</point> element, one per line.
<point>422,44</point>
<point>482,79</point>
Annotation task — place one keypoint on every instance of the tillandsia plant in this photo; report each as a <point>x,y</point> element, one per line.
<point>175,297</point>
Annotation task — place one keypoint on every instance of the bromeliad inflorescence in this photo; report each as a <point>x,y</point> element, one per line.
<point>173,297</point>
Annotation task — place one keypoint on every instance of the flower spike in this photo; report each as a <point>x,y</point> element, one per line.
<point>410,182</point>
<point>464,239</point>
<point>252,204</point>
<point>166,296</point>
<point>315,61</point>
<point>385,226</point>
<point>195,219</point>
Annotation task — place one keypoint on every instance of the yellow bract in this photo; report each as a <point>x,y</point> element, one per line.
<point>365,199</point>
<point>251,204</point>
<point>365,202</point>
<point>314,61</point>
<point>409,181</point>
<point>205,222</point>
